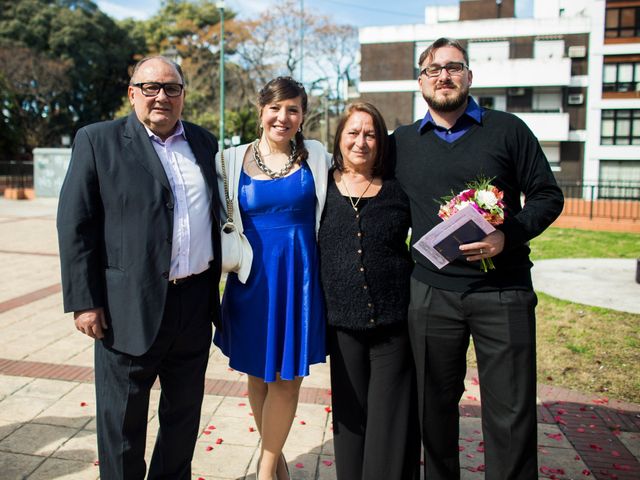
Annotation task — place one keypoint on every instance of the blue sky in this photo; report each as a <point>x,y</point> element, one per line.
<point>354,12</point>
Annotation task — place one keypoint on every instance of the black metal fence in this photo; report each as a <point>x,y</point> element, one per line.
<point>16,174</point>
<point>605,200</point>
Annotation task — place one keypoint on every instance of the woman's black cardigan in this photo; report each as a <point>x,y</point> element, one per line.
<point>365,264</point>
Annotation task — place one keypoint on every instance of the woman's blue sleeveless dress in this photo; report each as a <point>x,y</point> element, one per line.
<point>275,323</point>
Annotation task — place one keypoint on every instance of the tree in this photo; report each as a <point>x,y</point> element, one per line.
<point>95,52</point>
<point>34,90</point>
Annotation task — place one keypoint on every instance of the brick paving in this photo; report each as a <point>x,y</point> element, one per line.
<point>47,416</point>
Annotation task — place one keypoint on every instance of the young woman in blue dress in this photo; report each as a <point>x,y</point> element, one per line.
<point>273,318</point>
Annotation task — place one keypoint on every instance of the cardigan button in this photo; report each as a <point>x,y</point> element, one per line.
<point>359,234</point>
<point>372,320</point>
<point>360,251</point>
<point>370,305</point>
<point>362,269</point>
<point>365,286</point>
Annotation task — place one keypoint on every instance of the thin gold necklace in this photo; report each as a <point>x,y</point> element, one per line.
<point>355,204</point>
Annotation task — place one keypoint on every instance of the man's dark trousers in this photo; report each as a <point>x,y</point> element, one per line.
<point>502,324</point>
<point>178,357</point>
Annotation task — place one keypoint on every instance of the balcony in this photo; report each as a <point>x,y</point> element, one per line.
<point>521,72</point>
<point>547,127</point>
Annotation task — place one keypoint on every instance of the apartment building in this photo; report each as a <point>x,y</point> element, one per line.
<point>571,72</point>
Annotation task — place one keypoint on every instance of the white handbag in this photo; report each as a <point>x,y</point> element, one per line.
<point>231,243</point>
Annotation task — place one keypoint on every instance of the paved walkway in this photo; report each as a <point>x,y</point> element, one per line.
<point>47,426</point>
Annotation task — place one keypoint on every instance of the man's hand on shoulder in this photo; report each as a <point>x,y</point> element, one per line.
<point>91,322</point>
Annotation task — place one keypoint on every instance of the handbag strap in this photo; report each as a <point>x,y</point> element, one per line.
<point>225,179</point>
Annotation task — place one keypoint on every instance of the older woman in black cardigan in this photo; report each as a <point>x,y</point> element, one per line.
<point>365,267</point>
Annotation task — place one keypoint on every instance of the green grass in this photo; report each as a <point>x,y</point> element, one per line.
<point>572,243</point>
<point>588,348</point>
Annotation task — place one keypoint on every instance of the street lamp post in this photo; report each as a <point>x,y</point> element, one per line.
<point>301,40</point>
<point>220,6</point>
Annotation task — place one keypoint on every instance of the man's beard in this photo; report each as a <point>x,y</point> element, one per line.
<point>449,103</point>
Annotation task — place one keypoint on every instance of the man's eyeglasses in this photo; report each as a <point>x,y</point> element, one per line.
<point>151,89</point>
<point>452,68</point>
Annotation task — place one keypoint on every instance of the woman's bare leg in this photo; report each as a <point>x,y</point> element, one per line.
<point>274,407</point>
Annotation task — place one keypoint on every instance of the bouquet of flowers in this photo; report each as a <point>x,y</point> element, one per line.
<point>485,198</point>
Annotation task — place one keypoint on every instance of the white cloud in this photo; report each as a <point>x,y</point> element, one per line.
<point>118,11</point>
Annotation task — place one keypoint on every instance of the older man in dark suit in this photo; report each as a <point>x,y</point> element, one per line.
<point>140,257</point>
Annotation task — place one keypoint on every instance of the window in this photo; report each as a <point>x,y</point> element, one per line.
<point>619,179</point>
<point>620,127</point>
<point>623,22</point>
<point>548,49</point>
<point>487,51</point>
<point>621,77</point>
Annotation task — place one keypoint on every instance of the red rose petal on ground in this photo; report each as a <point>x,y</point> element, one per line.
<point>327,409</point>
<point>480,449</point>
<point>583,409</point>
<point>200,478</point>
<point>624,468</point>
<point>96,463</point>
<point>219,441</point>
<point>555,436</point>
<point>580,430</point>
<point>251,429</point>
<point>299,465</point>
<point>615,453</point>
<point>461,448</point>
<point>302,422</point>
<point>595,447</point>
<point>242,404</point>
<point>470,455</point>
<point>561,411</point>
<point>83,404</point>
<point>477,432</point>
<point>586,472</point>
<point>207,432</point>
<point>472,398</point>
<point>558,419</point>
<point>211,427</point>
<point>328,463</point>
<point>577,458</point>
<point>209,448</point>
<point>474,381</point>
<point>601,401</point>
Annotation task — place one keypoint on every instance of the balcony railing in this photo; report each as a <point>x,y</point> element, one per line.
<point>604,200</point>
<point>16,174</point>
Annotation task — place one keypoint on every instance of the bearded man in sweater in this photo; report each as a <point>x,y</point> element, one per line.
<point>458,142</point>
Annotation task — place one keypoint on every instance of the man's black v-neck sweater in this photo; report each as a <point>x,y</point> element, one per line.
<point>501,147</point>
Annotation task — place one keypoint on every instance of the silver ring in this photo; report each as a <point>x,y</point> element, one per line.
<point>481,251</point>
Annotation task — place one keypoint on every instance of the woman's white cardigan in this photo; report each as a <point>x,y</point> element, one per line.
<point>319,162</point>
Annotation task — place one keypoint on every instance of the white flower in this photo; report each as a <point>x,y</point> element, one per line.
<point>486,199</point>
<point>462,205</point>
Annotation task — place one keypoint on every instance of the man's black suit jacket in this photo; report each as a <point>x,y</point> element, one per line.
<point>115,223</point>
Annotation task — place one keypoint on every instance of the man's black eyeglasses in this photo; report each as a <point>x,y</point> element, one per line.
<point>452,68</point>
<point>151,89</point>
